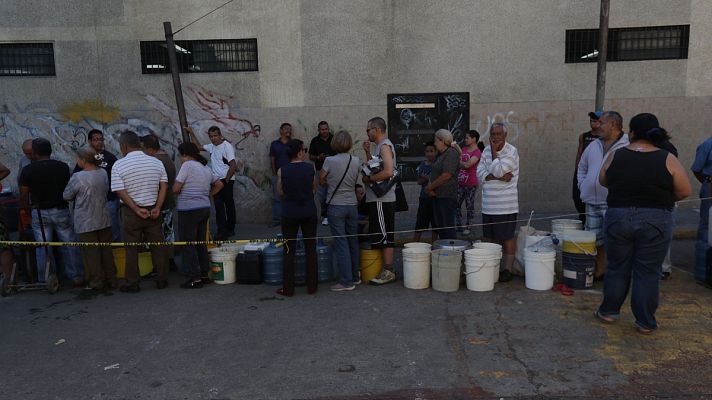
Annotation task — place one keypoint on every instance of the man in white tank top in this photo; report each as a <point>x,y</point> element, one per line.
<point>382,209</point>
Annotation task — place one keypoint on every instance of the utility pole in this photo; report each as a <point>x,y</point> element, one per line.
<point>602,55</point>
<point>173,63</point>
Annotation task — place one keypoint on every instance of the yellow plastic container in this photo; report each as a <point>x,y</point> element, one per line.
<point>579,242</point>
<point>371,264</point>
<point>145,265</point>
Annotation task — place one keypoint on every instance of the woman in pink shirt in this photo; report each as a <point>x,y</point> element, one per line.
<point>467,180</point>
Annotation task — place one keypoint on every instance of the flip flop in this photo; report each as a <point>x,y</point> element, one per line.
<point>604,318</point>
<point>644,331</point>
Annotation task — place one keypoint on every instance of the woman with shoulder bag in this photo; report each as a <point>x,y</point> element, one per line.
<point>340,174</point>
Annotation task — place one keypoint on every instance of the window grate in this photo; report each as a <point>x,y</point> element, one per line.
<point>629,44</point>
<point>219,55</point>
<point>27,59</point>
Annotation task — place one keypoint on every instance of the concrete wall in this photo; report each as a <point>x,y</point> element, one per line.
<point>337,61</point>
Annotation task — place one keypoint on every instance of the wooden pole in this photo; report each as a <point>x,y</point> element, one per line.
<point>175,74</point>
<point>602,55</point>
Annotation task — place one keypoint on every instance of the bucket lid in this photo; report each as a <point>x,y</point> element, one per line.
<point>452,244</point>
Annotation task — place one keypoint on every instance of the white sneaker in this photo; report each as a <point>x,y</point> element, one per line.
<point>384,277</point>
<point>325,221</point>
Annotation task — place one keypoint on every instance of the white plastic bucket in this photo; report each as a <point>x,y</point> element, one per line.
<point>539,269</point>
<point>480,267</point>
<point>416,267</point>
<point>222,265</point>
<point>494,249</point>
<point>418,245</point>
<point>446,266</point>
<point>558,226</point>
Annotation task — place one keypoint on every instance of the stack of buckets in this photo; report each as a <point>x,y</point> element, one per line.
<point>416,265</point>
<point>222,263</point>
<point>577,247</point>
<point>482,266</point>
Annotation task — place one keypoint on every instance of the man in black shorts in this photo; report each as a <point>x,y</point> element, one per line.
<point>381,210</point>
<point>498,173</point>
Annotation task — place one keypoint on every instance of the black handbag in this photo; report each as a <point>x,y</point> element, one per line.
<point>381,188</point>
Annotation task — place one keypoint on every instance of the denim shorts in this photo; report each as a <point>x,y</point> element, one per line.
<point>594,220</point>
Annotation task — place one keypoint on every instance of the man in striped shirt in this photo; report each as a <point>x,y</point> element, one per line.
<point>141,183</point>
<point>498,172</point>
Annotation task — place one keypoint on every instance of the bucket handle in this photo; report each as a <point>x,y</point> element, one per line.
<point>473,272</point>
<point>584,250</point>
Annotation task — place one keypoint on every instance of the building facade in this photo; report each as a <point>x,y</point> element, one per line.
<point>338,61</point>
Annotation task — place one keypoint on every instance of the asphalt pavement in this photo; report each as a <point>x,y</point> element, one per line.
<point>243,342</point>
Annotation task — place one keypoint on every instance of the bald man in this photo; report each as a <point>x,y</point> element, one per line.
<point>25,160</point>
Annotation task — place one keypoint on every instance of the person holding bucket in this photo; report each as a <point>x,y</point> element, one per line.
<point>194,185</point>
<point>339,174</point>
<point>643,182</point>
<point>443,185</point>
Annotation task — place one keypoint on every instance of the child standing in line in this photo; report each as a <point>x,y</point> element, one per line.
<point>425,203</point>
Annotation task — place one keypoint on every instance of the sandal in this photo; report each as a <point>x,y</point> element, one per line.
<point>644,331</point>
<point>604,318</point>
<point>563,289</point>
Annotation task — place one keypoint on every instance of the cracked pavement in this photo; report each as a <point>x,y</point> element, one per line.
<point>242,342</point>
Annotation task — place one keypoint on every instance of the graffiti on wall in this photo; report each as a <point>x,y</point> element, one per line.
<point>67,130</point>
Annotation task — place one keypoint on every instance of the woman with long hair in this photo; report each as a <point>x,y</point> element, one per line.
<point>194,185</point>
<point>467,180</point>
<point>643,182</point>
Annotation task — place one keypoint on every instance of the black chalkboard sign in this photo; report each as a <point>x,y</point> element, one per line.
<point>413,119</point>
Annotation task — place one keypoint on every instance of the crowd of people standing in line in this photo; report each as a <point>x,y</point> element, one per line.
<point>625,189</point>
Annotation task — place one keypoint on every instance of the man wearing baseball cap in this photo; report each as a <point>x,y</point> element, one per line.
<point>584,140</point>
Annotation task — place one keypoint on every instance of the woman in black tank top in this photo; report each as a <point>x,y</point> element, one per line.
<point>643,184</point>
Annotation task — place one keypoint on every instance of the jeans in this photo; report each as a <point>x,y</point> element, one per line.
<point>444,210</point>
<point>343,220</point>
<point>192,226</point>
<point>636,241</point>
<point>113,206</point>
<point>276,203</point>
<point>225,209</point>
<point>57,220</point>
<point>701,243</point>
<point>321,192</point>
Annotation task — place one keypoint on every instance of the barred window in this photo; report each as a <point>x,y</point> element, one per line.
<point>629,44</point>
<point>27,59</point>
<point>219,55</point>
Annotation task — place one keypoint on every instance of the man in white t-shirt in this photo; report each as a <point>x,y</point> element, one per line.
<point>223,165</point>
